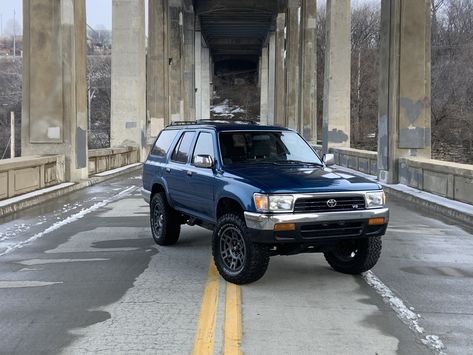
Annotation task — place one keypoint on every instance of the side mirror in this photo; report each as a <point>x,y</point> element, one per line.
<point>204,161</point>
<point>329,159</point>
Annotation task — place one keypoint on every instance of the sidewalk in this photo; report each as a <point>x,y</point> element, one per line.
<point>458,211</point>
<point>33,198</point>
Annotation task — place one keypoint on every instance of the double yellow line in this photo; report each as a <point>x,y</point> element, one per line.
<point>205,337</point>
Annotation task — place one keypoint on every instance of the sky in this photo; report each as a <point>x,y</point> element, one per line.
<point>99,12</point>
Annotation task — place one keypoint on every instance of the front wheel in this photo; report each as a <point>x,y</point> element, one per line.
<point>237,259</point>
<point>354,256</point>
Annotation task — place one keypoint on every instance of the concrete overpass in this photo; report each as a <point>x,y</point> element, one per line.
<point>171,80</point>
<point>55,255</point>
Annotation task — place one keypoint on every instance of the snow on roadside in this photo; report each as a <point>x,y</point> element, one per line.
<point>404,313</point>
<point>68,220</point>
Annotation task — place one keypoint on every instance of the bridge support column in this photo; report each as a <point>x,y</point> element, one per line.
<point>309,70</point>
<point>54,111</point>
<point>189,61</point>
<point>271,76</point>
<point>293,60</point>
<point>128,114</point>
<point>336,120</point>
<point>264,86</point>
<point>404,118</point>
<point>176,47</point>
<point>205,83</point>
<point>198,75</point>
<point>157,67</point>
<point>280,79</point>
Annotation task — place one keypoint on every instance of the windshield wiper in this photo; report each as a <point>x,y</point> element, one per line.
<point>280,162</point>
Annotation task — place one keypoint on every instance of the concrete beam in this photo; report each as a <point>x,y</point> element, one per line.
<point>280,79</point>
<point>309,70</point>
<point>293,60</point>
<point>404,120</point>
<point>209,6</point>
<point>54,107</point>
<point>128,125</point>
<point>244,42</point>
<point>336,120</point>
<point>157,67</point>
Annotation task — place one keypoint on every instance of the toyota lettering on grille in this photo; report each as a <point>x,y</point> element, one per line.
<point>331,203</point>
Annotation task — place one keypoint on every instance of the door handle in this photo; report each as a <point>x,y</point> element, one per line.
<point>168,170</point>
<point>189,173</point>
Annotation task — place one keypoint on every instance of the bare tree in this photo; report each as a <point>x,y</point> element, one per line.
<point>10,100</point>
<point>99,100</point>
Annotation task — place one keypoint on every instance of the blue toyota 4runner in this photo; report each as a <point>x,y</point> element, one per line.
<point>263,191</point>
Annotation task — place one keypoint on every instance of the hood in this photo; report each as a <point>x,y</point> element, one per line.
<point>299,179</point>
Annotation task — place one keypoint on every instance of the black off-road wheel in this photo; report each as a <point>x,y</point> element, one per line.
<point>354,256</point>
<point>237,259</point>
<point>165,221</point>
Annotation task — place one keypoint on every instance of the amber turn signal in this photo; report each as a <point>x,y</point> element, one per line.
<point>376,221</point>
<point>282,227</point>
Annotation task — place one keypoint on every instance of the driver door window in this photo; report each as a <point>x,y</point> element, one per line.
<point>204,146</point>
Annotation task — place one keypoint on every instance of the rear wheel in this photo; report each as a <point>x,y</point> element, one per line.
<point>354,256</point>
<point>165,221</point>
<point>237,259</point>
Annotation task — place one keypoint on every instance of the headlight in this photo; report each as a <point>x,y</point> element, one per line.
<point>278,203</point>
<point>375,199</point>
<point>273,203</point>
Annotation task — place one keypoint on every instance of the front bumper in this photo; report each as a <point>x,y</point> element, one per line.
<point>263,221</point>
<point>310,227</point>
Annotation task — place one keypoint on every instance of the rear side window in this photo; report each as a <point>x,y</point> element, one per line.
<point>163,143</point>
<point>181,152</point>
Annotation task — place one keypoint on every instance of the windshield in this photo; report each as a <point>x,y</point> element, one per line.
<point>265,147</point>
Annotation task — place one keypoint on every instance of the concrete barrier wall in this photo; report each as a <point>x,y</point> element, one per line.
<point>446,179</point>
<point>101,160</point>
<point>22,175</point>
<point>361,160</point>
<point>451,180</point>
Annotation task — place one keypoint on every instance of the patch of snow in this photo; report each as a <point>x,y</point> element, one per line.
<point>34,194</point>
<point>404,313</point>
<point>434,342</point>
<point>114,171</point>
<point>68,220</point>
<point>225,109</point>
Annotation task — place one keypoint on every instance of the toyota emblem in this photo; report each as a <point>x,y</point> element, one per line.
<point>331,203</point>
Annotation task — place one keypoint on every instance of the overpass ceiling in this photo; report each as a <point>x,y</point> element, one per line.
<point>236,29</point>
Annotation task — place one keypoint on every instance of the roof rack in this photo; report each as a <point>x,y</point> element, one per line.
<point>218,121</point>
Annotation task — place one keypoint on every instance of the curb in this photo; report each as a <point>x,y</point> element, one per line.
<point>30,202</point>
<point>457,215</point>
<point>454,210</point>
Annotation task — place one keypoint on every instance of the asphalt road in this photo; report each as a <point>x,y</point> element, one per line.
<point>81,275</point>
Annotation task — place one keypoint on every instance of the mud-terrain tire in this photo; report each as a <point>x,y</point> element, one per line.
<point>237,258</point>
<point>354,256</point>
<point>164,220</point>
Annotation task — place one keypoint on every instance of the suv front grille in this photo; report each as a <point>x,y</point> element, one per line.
<point>321,204</point>
<point>332,229</point>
